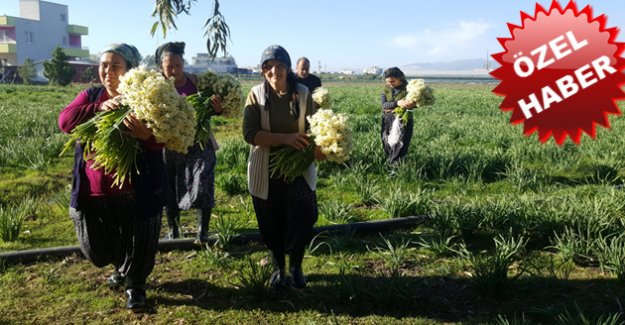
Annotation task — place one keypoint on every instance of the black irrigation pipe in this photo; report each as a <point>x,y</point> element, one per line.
<point>36,255</point>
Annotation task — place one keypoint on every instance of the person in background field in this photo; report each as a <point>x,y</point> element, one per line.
<point>305,77</point>
<point>191,177</point>
<point>117,225</point>
<point>275,115</point>
<point>392,97</point>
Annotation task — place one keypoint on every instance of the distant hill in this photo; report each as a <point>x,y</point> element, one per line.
<point>457,67</point>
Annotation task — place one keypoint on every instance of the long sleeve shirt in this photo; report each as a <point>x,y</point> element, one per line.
<point>390,103</point>
<point>80,110</point>
<point>281,118</point>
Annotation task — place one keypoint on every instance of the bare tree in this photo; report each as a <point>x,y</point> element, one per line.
<point>217,31</point>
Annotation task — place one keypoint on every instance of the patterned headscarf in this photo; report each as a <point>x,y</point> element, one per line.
<point>175,48</point>
<point>128,52</point>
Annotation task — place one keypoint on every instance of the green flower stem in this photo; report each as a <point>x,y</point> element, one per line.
<point>288,163</point>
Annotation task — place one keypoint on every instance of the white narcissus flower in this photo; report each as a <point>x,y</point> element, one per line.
<point>224,85</point>
<point>154,99</point>
<point>419,92</point>
<point>332,134</point>
<point>321,96</point>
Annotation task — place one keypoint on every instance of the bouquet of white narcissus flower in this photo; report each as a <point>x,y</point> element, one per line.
<point>328,131</point>
<point>151,98</point>
<point>418,92</point>
<point>208,84</point>
<point>331,134</point>
<point>154,99</point>
<point>321,97</point>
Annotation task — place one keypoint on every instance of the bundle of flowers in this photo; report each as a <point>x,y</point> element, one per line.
<point>209,84</point>
<point>418,92</point>
<point>152,99</point>
<point>329,132</point>
<point>321,97</point>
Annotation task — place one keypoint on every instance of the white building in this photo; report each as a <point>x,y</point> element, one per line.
<point>373,70</point>
<point>202,63</point>
<point>40,28</point>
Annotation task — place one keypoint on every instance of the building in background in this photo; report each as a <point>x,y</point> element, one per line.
<point>40,28</point>
<point>202,63</point>
<point>373,70</point>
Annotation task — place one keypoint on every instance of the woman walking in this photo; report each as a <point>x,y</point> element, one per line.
<point>275,115</point>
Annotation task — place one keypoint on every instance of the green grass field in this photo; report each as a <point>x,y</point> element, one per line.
<point>518,232</point>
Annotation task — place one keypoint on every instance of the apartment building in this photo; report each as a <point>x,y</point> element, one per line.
<point>40,28</point>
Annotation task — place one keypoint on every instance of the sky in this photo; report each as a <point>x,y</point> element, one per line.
<point>334,34</point>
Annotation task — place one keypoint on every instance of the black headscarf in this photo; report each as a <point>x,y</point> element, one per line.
<point>396,73</point>
<point>175,48</point>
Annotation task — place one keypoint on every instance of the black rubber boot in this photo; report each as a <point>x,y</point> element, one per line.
<point>203,218</point>
<point>299,280</point>
<point>295,267</point>
<point>173,221</point>
<point>116,280</point>
<point>278,278</point>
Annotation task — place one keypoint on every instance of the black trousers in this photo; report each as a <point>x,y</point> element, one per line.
<point>399,150</point>
<point>110,231</point>
<point>286,219</point>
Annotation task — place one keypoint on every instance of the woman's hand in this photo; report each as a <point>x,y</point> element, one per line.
<point>407,104</point>
<point>298,141</point>
<point>111,104</point>
<point>216,100</point>
<point>137,128</point>
<point>318,154</point>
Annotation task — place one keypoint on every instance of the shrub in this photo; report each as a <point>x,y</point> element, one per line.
<point>58,70</point>
<point>400,203</point>
<point>393,254</point>
<point>232,183</point>
<point>254,278</point>
<point>337,212</point>
<point>26,71</point>
<point>490,270</point>
<point>11,220</point>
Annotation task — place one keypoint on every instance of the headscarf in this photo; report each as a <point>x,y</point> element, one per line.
<point>394,72</point>
<point>128,52</point>
<point>276,52</point>
<point>175,48</point>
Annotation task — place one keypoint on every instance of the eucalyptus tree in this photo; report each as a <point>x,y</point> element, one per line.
<point>217,31</point>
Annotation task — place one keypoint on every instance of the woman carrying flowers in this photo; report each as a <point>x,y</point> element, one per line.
<point>191,177</point>
<point>393,97</point>
<point>117,225</point>
<point>275,115</point>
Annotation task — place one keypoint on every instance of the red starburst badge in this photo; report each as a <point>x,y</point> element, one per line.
<point>561,72</point>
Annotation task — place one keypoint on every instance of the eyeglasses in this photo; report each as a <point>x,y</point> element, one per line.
<point>278,66</point>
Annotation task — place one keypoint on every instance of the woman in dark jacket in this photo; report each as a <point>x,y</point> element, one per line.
<point>118,225</point>
<point>191,177</point>
<point>393,97</point>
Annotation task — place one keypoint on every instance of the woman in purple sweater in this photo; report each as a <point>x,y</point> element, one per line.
<point>118,225</point>
<point>191,177</point>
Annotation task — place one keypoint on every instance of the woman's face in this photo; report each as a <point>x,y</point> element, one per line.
<point>275,72</point>
<point>112,66</point>
<point>173,66</point>
<point>393,82</point>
